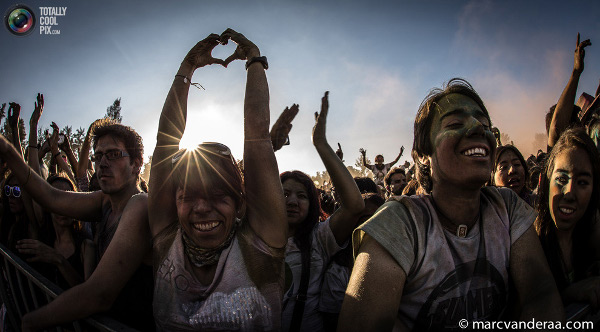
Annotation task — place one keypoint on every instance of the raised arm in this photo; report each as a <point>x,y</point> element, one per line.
<point>171,126</point>
<point>82,206</point>
<point>56,155</point>
<point>343,221</point>
<point>363,152</point>
<point>14,111</point>
<point>397,158</point>
<point>33,148</point>
<point>535,286</point>
<point>266,210</point>
<point>282,127</point>
<point>66,148</point>
<point>130,246</point>
<point>564,107</point>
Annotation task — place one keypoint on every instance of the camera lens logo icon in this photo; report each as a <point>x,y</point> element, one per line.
<point>19,20</point>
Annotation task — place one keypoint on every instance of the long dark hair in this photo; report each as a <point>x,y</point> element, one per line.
<point>302,235</point>
<point>574,137</point>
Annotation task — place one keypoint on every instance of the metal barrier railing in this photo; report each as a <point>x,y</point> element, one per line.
<point>23,289</point>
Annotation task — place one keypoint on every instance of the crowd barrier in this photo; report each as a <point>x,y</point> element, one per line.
<point>22,289</point>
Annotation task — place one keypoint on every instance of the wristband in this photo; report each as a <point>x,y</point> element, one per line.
<point>261,59</point>
<point>186,80</point>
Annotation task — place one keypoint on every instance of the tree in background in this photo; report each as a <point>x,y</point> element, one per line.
<point>146,172</point>
<point>114,111</point>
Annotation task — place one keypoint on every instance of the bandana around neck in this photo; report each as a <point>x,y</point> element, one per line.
<point>201,256</point>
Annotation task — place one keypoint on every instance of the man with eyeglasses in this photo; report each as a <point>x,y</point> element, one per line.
<point>117,157</point>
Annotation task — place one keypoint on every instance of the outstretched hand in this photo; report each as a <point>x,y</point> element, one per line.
<point>245,49</point>
<point>38,110</point>
<point>14,110</point>
<point>282,127</point>
<point>580,54</point>
<point>201,54</point>
<point>321,121</point>
<point>401,150</point>
<point>362,151</point>
<point>339,152</point>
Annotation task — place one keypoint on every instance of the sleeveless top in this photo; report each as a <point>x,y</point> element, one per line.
<point>245,294</point>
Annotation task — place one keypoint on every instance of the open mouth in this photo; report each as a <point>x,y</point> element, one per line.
<point>206,226</point>
<point>514,182</point>
<point>476,152</point>
<point>566,211</point>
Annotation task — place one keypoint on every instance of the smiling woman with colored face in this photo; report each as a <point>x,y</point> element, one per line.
<point>453,244</point>
<point>510,171</point>
<point>569,193</point>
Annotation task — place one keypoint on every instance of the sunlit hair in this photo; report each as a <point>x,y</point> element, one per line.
<point>424,120</point>
<point>366,185</point>
<point>302,235</point>
<point>504,148</point>
<point>130,138</point>
<point>61,177</point>
<point>572,138</point>
<point>210,166</point>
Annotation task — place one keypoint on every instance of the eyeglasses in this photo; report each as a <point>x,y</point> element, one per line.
<point>15,191</point>
<point>110,155</point>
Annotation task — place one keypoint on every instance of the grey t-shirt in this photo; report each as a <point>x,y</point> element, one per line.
<point>449,278</point>
<point>323,248</point>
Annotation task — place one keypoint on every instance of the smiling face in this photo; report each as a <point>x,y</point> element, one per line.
<point>571,187</point>
<point>207,218</point>
<point>297,202</point>
<point>510,172</point>
<point>114,175</point>
<point>462,143</point>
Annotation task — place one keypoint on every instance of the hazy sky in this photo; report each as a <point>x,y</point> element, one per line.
<point>378,58</point>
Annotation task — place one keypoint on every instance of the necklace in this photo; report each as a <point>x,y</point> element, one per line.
<point>201,256</point>
<point>460,230</point>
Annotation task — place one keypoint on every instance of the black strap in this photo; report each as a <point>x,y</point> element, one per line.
<point>301,296</point>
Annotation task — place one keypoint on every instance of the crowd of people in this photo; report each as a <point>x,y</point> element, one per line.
<point>471,230</point>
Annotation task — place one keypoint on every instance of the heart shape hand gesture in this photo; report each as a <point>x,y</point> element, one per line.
<point>201,54</point>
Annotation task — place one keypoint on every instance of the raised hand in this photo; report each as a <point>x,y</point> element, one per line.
<point>580,54</point>
<point>339,152</point>
<point>66,144</point>
<point>321,121</point>
<point>282,127</point>
<point>401,149</point>
<point>245,49</point>
<point>201,54</point>
<point>14,110</point>
<point>53,140</point>
<point>362,151</point>
<point>38,110</point>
